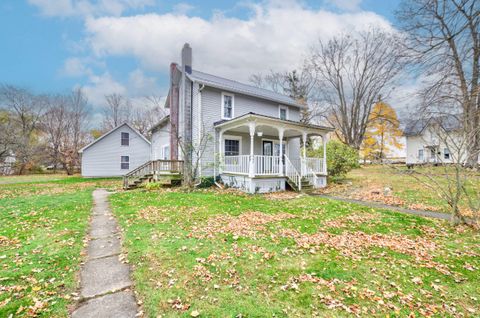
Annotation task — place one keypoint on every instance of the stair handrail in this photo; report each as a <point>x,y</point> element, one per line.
<point>292,173</point>
<point>133,173</point>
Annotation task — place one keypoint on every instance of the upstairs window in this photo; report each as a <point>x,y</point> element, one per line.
<point>283,112</point>
<point>125,163</point>
<point>125,139</point>
<point>227,106</point>
<point>446,153</point>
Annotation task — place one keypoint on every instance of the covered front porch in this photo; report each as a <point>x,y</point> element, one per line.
<point>259,153</point>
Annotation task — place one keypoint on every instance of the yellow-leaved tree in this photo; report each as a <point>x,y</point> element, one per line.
<point>383,133</point>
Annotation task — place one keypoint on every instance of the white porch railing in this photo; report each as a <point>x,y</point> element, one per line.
<point>315,164</point>
<point>236,164</point>
<point>267,165</point>
<point>272,165</point>
<point>292,173</point>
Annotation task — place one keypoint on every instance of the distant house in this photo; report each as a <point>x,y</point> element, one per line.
<point>117,152</point>
<point>8,164</point>
<point>424,145</point>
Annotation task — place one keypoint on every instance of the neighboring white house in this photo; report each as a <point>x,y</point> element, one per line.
<point>117,152</point>
<point>425,145</point>
<point>7,166</point>
<point>256,140</point>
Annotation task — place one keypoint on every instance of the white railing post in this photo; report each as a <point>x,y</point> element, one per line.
<point>324,139</point>
<point>251,170</point>
<point>281,130</point>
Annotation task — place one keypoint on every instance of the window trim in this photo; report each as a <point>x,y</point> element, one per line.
<point>232,137</point>
<point>121,139</point>
<point>122,162</point>
<point>422,157</point>
<point>447,152</point>
<point>280,107</point>
<point>223,105</point>
<point>162,155</point>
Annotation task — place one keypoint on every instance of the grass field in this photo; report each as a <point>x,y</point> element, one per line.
<point>222,254</point>
<point>369,182</point>
<point>43,221</point>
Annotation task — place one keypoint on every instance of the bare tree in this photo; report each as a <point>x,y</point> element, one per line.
<point>26,110</point>
<point>116,112</point>
<point>352,71</point>
<point>146,115</point>
<point>54,126</point>
<point>450,179</point>
<point>298,84</point>
<point>8,134</point>
<point>64,126</point>
<point>444,44</point>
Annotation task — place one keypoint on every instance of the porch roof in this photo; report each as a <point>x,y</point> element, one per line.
<point>296,128</point>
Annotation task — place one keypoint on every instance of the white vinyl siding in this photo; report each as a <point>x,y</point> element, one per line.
<point>104,158</point>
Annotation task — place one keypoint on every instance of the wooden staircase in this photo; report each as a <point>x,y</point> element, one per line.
<point>297,181</point>
<point>153,171</point>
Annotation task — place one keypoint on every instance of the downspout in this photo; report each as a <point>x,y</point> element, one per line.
<point>200,121</point>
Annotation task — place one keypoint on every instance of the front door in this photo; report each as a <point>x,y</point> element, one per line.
<point>267,148</point>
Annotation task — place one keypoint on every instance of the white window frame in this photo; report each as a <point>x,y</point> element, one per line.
<point>280,107</point>
<point>447,152</point>
<point>422,157</point>
<point>122,162</point>
<point>162,154</point>
<point>223,105</point>
<point>232,137</point>
<point>121,138</point>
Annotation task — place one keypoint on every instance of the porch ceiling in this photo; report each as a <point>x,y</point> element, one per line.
<point>269,126</point>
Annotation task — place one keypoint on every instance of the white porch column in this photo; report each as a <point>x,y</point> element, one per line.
<point>324,140</point>
<point>304,157</point>
<point>251,170</point>
<point>281,130</point>
<point>220,151</point>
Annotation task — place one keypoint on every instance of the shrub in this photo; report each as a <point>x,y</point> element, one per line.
<point>340,158</point>
<point>206,182</point>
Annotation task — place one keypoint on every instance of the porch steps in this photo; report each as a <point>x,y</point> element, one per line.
<point>305,185</point>
<point>168,171</point>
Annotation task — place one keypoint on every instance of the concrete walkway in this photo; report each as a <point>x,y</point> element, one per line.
<point>104,279</point>
<point>377,205</point>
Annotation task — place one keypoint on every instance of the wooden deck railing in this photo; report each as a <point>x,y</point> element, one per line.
<point>151,168</point>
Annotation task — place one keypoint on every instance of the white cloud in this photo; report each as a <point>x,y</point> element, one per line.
<point>67,8</point>
<point>100,85</point>
<point>75,67</point>
<point>141,85</point>
<point>276,36</point>
<point>182,8</point>
<point>348,5</point>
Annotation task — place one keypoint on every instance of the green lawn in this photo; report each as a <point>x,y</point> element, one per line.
<point>368,183</point>
<point>43,221</point>
<point>222,254</point>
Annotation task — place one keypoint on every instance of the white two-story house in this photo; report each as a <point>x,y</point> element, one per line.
<point>246,137</point>
<point>434,140</point>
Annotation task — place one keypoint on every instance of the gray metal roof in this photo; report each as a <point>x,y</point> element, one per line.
<point>447,122</point>
<point>237,87</point>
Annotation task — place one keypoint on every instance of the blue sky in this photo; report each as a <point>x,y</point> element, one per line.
<point>125,46</point>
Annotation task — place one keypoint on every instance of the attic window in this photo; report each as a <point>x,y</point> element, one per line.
<point>227,106</point>
<point>125,139</point>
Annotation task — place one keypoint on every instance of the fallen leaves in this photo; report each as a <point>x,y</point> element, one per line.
<point>247,224</point>
<point>352,243</point>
